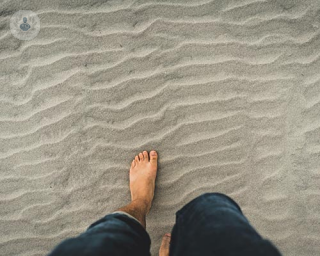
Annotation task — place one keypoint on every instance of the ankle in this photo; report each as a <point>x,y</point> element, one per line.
<point>142,204</point>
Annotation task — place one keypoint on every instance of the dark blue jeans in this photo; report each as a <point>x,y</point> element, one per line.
<point>212,224</point>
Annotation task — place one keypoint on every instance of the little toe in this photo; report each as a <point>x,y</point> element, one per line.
<point>133,163</point>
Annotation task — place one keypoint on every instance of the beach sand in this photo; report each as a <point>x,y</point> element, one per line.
<point>227,92</point>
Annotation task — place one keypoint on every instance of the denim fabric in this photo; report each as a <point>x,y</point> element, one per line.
<point>212,224</point>
<point>114,235</point>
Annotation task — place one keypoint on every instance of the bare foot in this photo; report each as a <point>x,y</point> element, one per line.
<point>143,174</point>
<point>165,245</point>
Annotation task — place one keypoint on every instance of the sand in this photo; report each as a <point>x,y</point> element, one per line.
<point>227,92</point>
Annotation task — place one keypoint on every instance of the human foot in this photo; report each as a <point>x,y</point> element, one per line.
<point>165,245</point>
<point>143,174</point>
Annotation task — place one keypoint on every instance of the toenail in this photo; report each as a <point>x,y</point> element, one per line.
<point>153,152</point>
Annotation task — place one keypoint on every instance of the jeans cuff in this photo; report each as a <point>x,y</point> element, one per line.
<point>129,215</point>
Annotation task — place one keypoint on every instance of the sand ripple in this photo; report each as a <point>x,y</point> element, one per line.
<point>228,92</point>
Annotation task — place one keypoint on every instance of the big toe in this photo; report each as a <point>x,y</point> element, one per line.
<point>165,245</point>
<point>153,157</point>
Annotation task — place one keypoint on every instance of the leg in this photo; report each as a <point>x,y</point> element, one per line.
<point>213,224</point>
<point>122,232</point>
<point>142,184</point>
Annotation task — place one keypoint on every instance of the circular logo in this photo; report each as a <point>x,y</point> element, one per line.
<point>25,25</point>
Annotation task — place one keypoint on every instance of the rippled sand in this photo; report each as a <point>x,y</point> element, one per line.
<point>227,92</point>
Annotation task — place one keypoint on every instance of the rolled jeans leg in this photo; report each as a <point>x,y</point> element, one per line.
<point>213,224</point>
<point>114,234</point>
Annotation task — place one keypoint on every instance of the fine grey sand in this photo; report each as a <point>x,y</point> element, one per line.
<point>227,92</point>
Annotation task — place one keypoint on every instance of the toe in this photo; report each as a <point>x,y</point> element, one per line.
<point>133,163</point>
<point>141,156</point>
<point>153,157</point>
<point>165,245</point>
<point>145,156</point>
<point>137,159</point>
